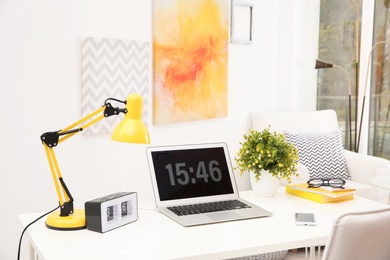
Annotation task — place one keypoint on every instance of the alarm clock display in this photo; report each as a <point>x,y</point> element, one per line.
<point>110,213</point>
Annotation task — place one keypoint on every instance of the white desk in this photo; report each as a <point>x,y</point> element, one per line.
<point>154,236</point>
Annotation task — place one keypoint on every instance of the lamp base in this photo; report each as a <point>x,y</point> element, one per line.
<point>74,221</point>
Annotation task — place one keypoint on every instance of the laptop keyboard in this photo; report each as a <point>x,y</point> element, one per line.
<point>200,208</point>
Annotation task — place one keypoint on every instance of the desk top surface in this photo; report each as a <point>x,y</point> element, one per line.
<point>155,236</point>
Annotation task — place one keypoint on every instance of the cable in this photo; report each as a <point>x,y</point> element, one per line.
<point>24,230</point>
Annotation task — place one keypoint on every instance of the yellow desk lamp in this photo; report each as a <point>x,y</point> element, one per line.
<point>131,129</point>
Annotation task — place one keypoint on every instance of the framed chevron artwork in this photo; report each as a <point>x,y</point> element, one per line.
<point>113,68</point>
<point>190,60</point>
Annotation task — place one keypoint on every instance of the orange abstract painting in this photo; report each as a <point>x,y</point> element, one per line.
<point>190,45</point>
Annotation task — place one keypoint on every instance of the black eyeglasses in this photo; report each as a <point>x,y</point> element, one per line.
<point>335,183</point>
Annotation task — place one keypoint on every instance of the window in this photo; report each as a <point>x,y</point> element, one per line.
<point>379,119</point>
<point>339,37</point>
<point>339,44</point>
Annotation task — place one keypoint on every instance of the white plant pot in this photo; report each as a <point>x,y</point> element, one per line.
<point>266,186</point>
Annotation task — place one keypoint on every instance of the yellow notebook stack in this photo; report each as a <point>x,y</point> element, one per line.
<point>319,195</point>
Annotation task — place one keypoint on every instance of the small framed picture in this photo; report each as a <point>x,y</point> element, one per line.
<point>241,22</point>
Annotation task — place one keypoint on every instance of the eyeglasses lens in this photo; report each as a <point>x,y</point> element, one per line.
<point>336,183</point>
<point>315,183</point>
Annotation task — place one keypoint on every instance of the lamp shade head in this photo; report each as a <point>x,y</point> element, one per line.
<point>131,129</point>
<point>323,65</point>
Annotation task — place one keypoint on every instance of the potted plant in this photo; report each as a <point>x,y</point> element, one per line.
<point>266,155</point>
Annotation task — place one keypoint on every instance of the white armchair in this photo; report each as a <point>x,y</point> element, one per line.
<point>361,167</point>
<point>360,235</point>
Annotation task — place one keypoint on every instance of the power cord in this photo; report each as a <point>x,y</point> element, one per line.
<point>24,230</point>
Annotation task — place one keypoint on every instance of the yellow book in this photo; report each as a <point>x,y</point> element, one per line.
<point>344,189</point>
<point>318,196</point>
<point>321,190</point>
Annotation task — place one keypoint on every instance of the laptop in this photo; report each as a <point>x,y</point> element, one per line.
<point>195,185</point>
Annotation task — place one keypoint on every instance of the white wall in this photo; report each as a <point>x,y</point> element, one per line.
<point>40,91</point>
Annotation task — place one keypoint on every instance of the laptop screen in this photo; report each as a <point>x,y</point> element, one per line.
<point>191,173</point>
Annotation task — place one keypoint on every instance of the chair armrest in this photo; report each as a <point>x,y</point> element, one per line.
<point>363,167</point>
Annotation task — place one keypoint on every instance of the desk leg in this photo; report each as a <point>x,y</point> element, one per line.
<point>312,252</point>
<point>33,255</point>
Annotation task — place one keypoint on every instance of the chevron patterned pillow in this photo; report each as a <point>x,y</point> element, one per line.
<point>321,153</point>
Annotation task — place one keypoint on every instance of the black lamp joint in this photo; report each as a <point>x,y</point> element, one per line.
<point>50,138</point>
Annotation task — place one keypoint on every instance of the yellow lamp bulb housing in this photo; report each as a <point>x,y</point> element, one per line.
<point>131,129</point>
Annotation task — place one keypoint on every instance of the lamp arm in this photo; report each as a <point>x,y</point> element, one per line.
<point>53,138</point>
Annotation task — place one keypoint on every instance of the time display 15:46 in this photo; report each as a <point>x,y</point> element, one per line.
<point>179,173</point>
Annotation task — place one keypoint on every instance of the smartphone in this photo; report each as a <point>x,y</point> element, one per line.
<point>305,219</point>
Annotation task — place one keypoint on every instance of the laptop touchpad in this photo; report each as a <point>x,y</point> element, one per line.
<point>218,216</point>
